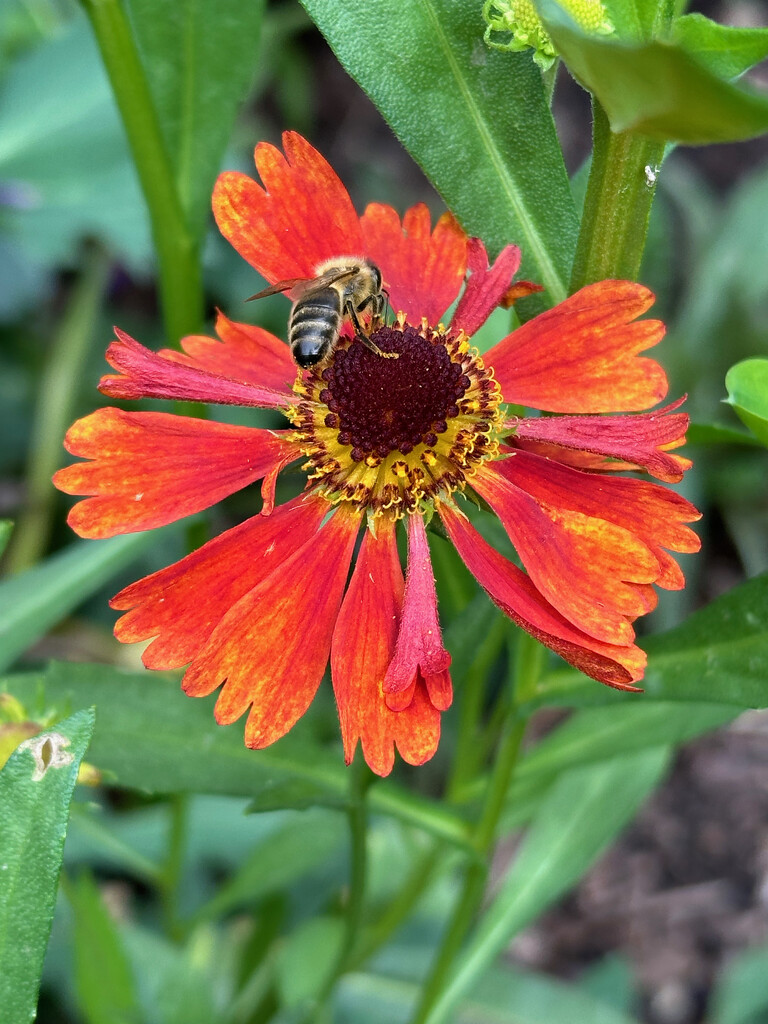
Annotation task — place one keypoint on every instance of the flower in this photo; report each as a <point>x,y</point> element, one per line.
<point>515,25</point>
<point>260,609</point>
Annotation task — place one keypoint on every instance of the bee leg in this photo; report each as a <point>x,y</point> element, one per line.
<point>361,333</point>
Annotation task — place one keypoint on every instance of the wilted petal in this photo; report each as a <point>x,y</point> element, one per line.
<point>640,442</point>
<point>146,374</point>
<point>419,651</point>
<point>486,287</point>
<point>149,469</point>
<point>363,646</point>
<point>245,353</point>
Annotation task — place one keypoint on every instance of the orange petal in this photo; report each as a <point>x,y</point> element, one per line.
<point>422,271</point>
<point>153,468</point>
<point>181,605</point>
<point>516,595</point>
<point>581,356</point>
<point>270,650</point>
<point>146,374</point>
<point>419,651</point>
<point>487,287</point>
<point>245,353</point>
<point>585,567</point>
<point>302,217</point>
<point>652,513</point>
<point>363,646</point>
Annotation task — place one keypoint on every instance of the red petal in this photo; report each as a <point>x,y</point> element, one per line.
<point>145,374</point>
<point>585,567</point>
<point>650,512</point>
<point>518,598</point>
<point>270,650</point>
<point>419,650</point>
<point>422,272</point>
<point>486,287</point>
<point>181,605</point>
<point>581,356</point>
<point>302,217</point>
<point>153,468</point>
<point>363,646</point>
<point>638,441</point>
<point>245,353</point>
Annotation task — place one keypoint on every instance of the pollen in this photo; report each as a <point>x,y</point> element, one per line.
<point>390,435</point>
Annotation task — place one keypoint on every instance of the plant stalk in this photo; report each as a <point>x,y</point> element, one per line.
<point>178,251</point>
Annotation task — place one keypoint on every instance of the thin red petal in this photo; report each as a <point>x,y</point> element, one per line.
<point>302,216</point>
<point>581,356</point>
<point>486,288</point>
<point>585,567</point>
<point>422,271</point>
<point>638,441</point>
<point>245,353</point>
<point>181,605</point>
<point>516,595</point>
<point>146,374</point>
<point>419,650</point>
<point>652,513</point>
<point>153,468</point>
<point>270,650</point>
<point>363,646</point>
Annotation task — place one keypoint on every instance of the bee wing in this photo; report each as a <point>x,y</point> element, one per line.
<point>333,275</point>
<point>279,286</point>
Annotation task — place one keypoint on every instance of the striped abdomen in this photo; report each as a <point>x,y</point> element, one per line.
<point>314,326</point>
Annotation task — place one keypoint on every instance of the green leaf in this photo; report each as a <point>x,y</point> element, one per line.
<point>33,601</point>
<point>307,959</point>
<point>716,433</point>
<point>6,529</point>
<point>747,386</point>
<point>199,57</point>
<point>656,88</point>
<point>741,995</point>
<point>583,813</point>
<point>727,51</point>
<point>103,979</point>
<point>477,121</point>
<point>63,155</point>
<point>505,996</point>
<point>150,736</point>
<point>280,860</point>
<point>599,734</point>
<point>720,653</point>
<point>36,787</point>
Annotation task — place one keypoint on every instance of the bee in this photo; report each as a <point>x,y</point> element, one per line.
<point>343,287</point>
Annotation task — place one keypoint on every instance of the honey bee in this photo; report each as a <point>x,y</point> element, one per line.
<point>343,287</point>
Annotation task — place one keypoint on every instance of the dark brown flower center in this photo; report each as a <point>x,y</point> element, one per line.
<point>385,405</point>
<point>389,435</point>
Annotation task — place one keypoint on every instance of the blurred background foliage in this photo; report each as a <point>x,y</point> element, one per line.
<point>156,922</point>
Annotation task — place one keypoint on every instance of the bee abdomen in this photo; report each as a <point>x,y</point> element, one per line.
<point>314,327</point>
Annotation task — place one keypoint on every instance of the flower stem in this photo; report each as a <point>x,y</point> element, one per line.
<point>178,251</point>
<point>620,192</point>
<point>357,812</point>
<point>174,864</point>
<point>527,665</point>
<point>54,408</point>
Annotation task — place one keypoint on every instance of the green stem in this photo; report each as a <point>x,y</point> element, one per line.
<point>54,407</point>
<point>620,192</point>
<point>178,251</point>
<point>357,813</point>
<point>174,864</point>
<point>476,874</point>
